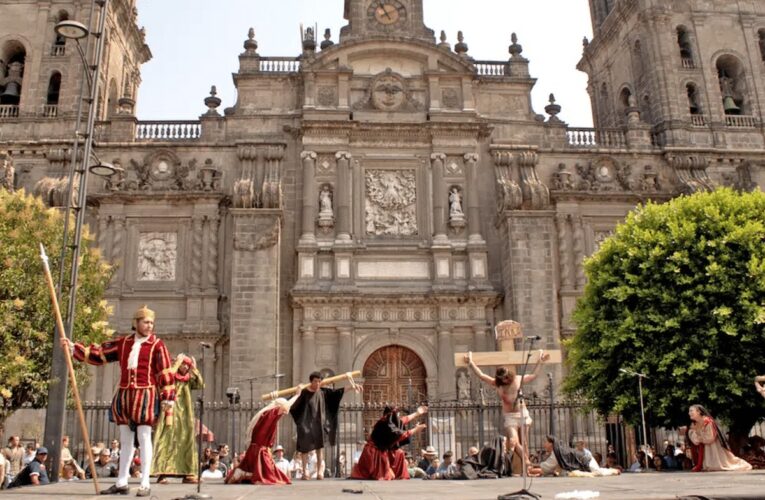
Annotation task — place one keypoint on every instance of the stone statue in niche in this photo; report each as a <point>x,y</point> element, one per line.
<point>463,386</point>
<point>456,215</point>
<point>390,203</point>
<point>157,256</point>
<point>326,213</point>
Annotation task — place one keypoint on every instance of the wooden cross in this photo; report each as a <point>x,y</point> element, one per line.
<point>506,333</point>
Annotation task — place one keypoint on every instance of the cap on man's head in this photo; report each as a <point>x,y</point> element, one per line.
<point>278,448</point>
<point>42,450</point>
<point>143,313</point>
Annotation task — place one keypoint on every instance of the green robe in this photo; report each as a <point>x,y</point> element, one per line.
<point>175,449</point>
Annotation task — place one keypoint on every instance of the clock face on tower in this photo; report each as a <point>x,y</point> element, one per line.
<point>386,14</point>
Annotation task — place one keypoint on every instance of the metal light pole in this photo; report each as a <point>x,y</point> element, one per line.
<point>640,377</point>
<point>79,167</point>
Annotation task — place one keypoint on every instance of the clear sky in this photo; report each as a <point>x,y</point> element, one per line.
<point>196,44</point>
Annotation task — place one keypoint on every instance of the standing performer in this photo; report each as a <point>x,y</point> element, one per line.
<point>709,447</point>
<point>506,384</point>
<point>315,414</point>
<point>145,380</point>
<point>257,466</point>
<point>382,457</point>
<point>175,450</point>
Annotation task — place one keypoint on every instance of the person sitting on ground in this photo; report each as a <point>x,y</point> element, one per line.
<point>281,463</point>
<point>710,449</point>
<point>34,473</point>
<point>213,472</point>
<point>670,461</point>
<point>382,458</point>
<point>570,461</point>
<point>639,464</point>
<point>612,462</point>
<point>428,455</point>
<point>414,471</point>
<point>657,464</point>
<point>448,469</point>
<point>472,454</point>
<point>434,465</point>
<point>104,467</point>
<point>68,472</point>
<point>29,454</point>
<point>3,465</point>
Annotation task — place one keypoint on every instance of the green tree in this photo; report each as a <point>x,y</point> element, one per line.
<point>26,315</point>
<point>677,293</point>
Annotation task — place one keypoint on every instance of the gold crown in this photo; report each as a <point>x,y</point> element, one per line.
<point>143,312</point>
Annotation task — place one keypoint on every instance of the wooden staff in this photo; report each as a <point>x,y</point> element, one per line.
<point>69,366</point>
<point>292,390</point>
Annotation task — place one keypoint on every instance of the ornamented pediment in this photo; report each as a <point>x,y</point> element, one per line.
<point>164,171</point>
<point>389,91</point>
<point>605,175</point>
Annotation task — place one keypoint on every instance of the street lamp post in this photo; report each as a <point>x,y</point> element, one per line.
<point>640,377</point>
<point>80,166</point>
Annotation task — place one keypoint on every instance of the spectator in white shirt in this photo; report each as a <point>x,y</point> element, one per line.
<point>212,471</point>
<point>281,463</point>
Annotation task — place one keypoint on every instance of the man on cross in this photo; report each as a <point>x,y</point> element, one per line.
<point>507,384</point>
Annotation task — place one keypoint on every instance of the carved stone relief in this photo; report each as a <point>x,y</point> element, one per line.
<point>599,238</point>
<point>326,96</point>
<point>259,235</point>
<point>157,256</point>
<point>450,98</point>
<point>463,385</point>
<point>691,171</point>
<point>388,91</point>
<point>605,175</point>
<point>390,203</point>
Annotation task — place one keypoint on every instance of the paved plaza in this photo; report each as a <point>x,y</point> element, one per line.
<point>662,486</point>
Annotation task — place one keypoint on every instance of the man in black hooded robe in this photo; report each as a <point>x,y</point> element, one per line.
<point>315,415</point>
<point>571,461</point>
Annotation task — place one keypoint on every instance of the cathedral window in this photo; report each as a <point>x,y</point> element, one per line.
<point>761,36</point>
<point>730,76</point>
<point>685,46</point>
<point>693,99</point>
<point>12,60</point>
<point>59,44</point>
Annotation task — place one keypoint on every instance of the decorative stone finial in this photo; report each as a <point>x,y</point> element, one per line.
<point>212,102</point>
<point>251,45</point>
<point>461,47</point>
<point>585,42</point>
<point>444,45</point>
<point>553,109</point>
<point>327,42</point>
<point>515,48</point>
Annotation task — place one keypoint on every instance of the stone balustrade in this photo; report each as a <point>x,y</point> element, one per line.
<point>188,130</point>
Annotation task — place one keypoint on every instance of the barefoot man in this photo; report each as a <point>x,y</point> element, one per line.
<point>506,384</point>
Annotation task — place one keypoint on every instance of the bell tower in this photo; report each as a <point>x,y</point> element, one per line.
<point>693,73</point>
<point>385,18</point>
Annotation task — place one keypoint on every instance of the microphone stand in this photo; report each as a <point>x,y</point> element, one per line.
<point>198,495</point>
<point>523,494</point>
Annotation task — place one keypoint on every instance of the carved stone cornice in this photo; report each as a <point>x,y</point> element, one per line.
<point>254,231</point>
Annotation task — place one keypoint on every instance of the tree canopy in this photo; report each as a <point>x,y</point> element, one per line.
<point>677,293</point>
<point>27,324</point>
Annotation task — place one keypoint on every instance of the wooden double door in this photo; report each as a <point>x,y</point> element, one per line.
<point>393,375</point>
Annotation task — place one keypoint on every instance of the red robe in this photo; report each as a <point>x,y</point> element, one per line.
<point>258,460</point>
<point>136,400</point>
<point>383,464</point>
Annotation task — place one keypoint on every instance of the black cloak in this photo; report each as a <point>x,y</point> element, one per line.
<point>569,459</point>
<point>315,415</point>
<point>387,432</point>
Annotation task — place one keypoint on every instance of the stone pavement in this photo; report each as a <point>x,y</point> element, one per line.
<point>663,486</point>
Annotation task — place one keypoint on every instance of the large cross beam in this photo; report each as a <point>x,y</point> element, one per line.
<point>506,332</point>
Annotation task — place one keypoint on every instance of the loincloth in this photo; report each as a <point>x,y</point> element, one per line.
<point>515,420</point>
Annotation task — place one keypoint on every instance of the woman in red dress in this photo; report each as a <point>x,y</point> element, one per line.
<point>257,466</point>
<point>382,457</point>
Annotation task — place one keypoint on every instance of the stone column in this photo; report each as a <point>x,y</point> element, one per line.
<point>579,251</point>
<point>307,352</point>
<point>481,337</point>
<point>254,298</point>
<point>118,251</point>
<point>473,204</point>
<point>211,280</point>
<point>565,250</point>
<point>309,197</point>
<point>343,196</point>
<point>196,252</point>
<point>439,191</point>
<point>344,349</point>
<point>446,382</point>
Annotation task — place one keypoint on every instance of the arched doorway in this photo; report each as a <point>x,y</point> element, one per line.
<point>393,374</point>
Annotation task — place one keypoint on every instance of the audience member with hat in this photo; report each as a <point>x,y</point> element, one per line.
<point>34,472</point>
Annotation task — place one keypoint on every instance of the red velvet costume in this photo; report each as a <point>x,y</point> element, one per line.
<point>258,460</point>
<point>382,459</point>
<point>136,399</point>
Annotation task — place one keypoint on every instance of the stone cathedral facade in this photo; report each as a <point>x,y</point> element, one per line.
<point>382,200</point>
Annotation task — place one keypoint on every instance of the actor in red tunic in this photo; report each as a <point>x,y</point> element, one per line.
<point>257,466</point>
<point>382,457</point>
<point>146,378</point>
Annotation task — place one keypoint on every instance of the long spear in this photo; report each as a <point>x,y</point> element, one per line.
<point>70,366</point>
